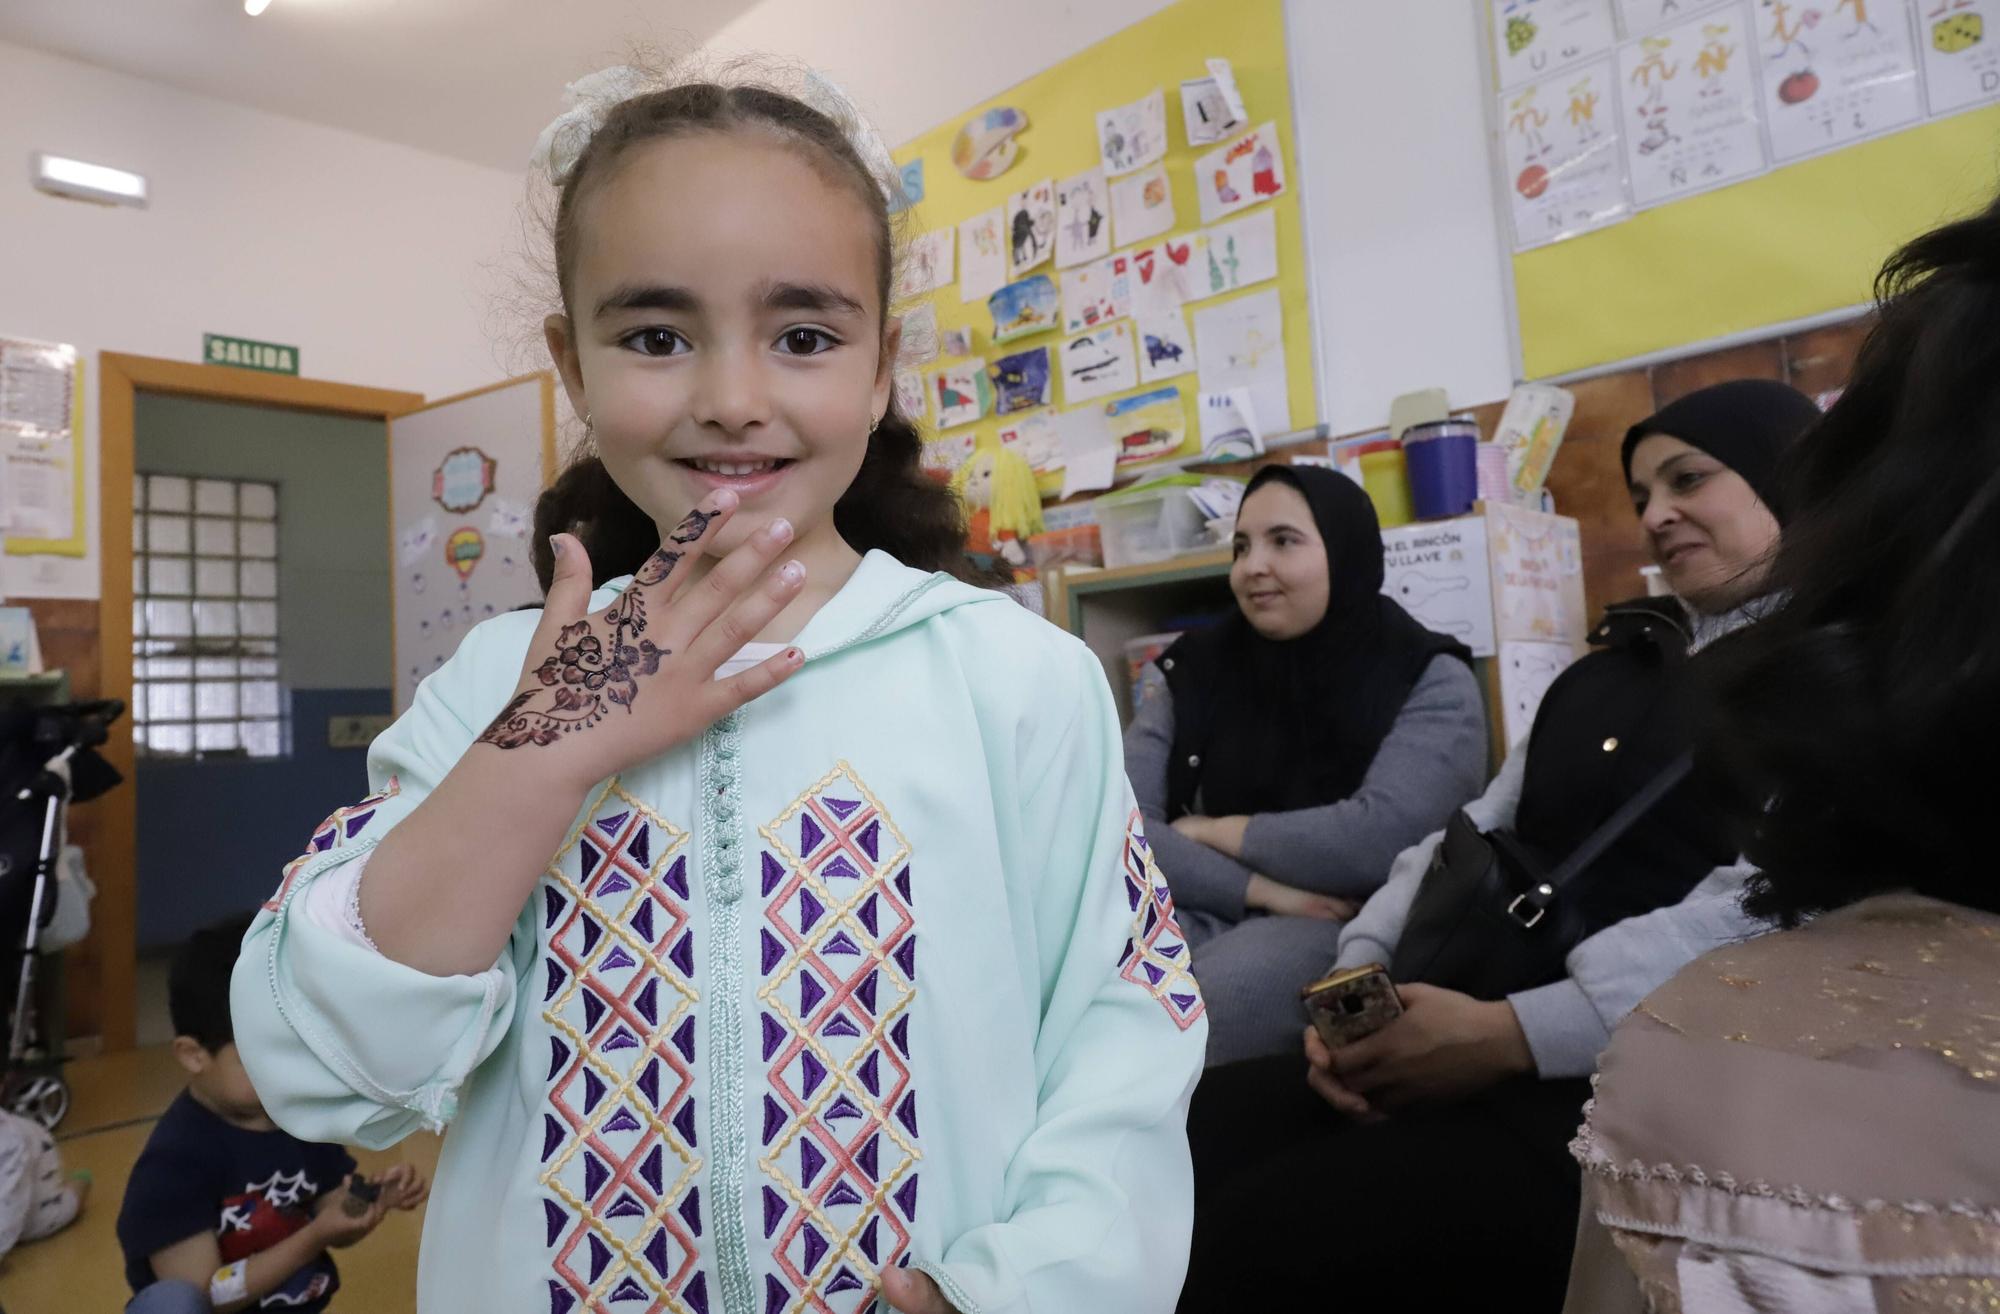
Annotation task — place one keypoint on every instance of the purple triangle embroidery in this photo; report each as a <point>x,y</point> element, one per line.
<point>776,1296</point>
<point>841,807</point>
<point>696,1294</point>
<point>594,1174</point>
<point>684,1037</point>
<point>622,1121</point>
<point>649,1083</point>
<point>1154,972</point>
<point>900,1034</point>
<point>640,848</point>
<point>656,1252</point>
<point>870,1161</point>
<point>843,1193</point>
<point>621,1037</point>
<point>615,882</point>
<point>682,954</point>
<point>842,1107</point>
<point>774,1034</point>
<point>903,886</point>
<point>814,1074</point>
<point>558,1055</point>
<point>869,913</point>
<point>906,1198</point>
<point>588,856</point>
<point>810,910</point>
<point>1186,1002</point>
<point>557,975</point>
<point>629,1289</point>
<point>841,1025</point>
<point>810,835</point>
<point>843,1280</point>
<point>552,1135</point>
<point>591,932</point>
<point>773,952</point>
<point>322,840</point>
<point>647,1002</point>
<point>684,1122</point>
<point>811,1160</point>
<point>1168,950</point>
<point>774,1211</point>
<point>649,1170</point>
<point>871,1074</point>
<point>906,1112</point>
<point>555,901</point>
<point>676,877</point>
<point>840,867</point>
<point>906,956</point>
<point>625,1207</point>
<point>593,1009</point>
<point>1132,893</point>
<point>593,1091</point>
<point>642,920</point>
<point>816,1248</point>
<point>839,943</point>
<point>868,1240</point>
<point>613,824</point>
<point>870,840</point>
<point>1125,953</point>
<point>1152,917</point>
<point>616,959</point>
<point>691,1210</point>
<point>560,1300</point>
<point>773,873</point>
<point>774,1119</point>
<point>556,1217</point>
<point>811,992</point>
<point>865,992</point>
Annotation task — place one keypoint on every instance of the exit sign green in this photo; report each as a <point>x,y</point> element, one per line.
<point>244,354</point>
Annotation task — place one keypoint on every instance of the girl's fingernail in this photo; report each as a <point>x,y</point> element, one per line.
<point>725,499</point>
<point>555,544</point>
<point>794,656</point>
<point>780,530</point>
<point>791,572</point>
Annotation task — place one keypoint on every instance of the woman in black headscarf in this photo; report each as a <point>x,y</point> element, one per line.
<point>1426,1166</point>
<point>1285,755</point>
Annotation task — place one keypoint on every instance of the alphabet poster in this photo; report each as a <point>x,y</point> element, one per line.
<point>1961,44</point>
<point>1533,37</point>
<point>1690,102</point>
<point>1565,172</point>
<point>1848,76</point>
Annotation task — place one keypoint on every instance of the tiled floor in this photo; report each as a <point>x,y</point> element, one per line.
<point>79,1270</point>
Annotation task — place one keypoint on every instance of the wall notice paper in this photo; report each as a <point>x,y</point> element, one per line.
<point>1527,669</point>
<point>1133,136</point>
<point>1036,437</point>
<point>944,453</point>
<point>1020,309</point>
<point>1531,37</point>
<point>1089,453</point>
<point>982,255</point>
<point>927,265</point>
<point>1241,344</point>
<point>1240,253</point>
<point>1083,219</point>
<point>1538,575</point>
<point>1097,294</point>
<point>1147,425</point>
<point>962,392</point>
<point>40,453</point>
<point>913,401</point>
<point>1961,44</point>
<point>955,342</point>
<point>1031,226</point>
<point>1565,171</point>
<point>1690,99</point>
<point>37,385</point>
<point>1849,76</point>
<point>1166,347</point>
<point>1437,571</point>
<point>1162,277</point>
<point>1212,107</point>
<point>1098,363</point>
<point>38,484</point>
<point>1229,426</point>
<point>920,336</point>
<point>1142,205</point>
<point>1248,170</point>
<point>1021,381</point>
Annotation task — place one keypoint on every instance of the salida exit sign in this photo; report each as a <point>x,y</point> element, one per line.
<point>244,354</point>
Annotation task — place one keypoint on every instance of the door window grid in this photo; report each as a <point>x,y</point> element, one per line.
<point>205,618</point>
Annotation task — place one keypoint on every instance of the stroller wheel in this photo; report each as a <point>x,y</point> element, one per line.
<point>41,1097</point>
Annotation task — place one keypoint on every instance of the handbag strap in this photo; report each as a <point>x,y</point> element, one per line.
<point>1528,906</point>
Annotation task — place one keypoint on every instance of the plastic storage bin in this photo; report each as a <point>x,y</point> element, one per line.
<point>1151,522</point>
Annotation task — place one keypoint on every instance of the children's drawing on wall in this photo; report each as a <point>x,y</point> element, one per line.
<point>1021,381</point>
<point>927,265</point>
<point>985,147</point>
<point>1693,102</point>
<point>1031,226</point>
<point>1097,294</point>
<point>1856,77</point>
<point>1565,170</point>
<point>1960,51</point>
<point>1212,107</point>
<point>1162,277</point>
<point>1166,348</point>
<point>1241,253</point>
<point>962,392</point>
<point>1241,174</point>
<point>1083,219</point>
<point>955,342</point>
<point>1133,136</point>
<point>1531,38</point>
<point>1229,426</point>
<point>943,454</point>
<point>1142,205</point>
<point>1024,308</point>
<point>982,255</point>
<point>1147,425</point>
<point>912,401</point>
<point>1035,438</point>
<point>920,336</point>
<point>1098,363</point>
<point>1241,344</point>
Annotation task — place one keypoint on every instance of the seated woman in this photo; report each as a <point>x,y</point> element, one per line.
<point>1804,1124</point>
<point>1296,747</point>
<point>1443,1136</point>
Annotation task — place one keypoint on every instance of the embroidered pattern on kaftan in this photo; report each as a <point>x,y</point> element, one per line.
<point>1156,955</point>
<point>619,1151</point>
<point>838,953</point>
<point>336,830</point>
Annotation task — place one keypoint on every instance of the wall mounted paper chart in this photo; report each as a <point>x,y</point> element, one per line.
<point>1850,76</point>
<point>1690,100</point>
<point>1961,44</point>
<point>1531,37</point>
<point>1565,170</point>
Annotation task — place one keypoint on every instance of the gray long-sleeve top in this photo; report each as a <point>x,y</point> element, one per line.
<point>1432,760</point>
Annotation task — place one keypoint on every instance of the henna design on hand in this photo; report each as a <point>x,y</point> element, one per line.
<point>693,527</point>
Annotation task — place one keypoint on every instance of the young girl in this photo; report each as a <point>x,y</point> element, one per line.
<point>847,974</point>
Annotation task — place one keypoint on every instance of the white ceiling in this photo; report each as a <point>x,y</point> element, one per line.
<point>477,79</point>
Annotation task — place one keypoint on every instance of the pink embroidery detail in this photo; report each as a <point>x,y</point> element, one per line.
<point>1156,953</point>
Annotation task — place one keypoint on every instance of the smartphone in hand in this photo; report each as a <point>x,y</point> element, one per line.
<point>1348,1005</point>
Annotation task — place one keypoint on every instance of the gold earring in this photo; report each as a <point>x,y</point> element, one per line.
<point>873,425</point>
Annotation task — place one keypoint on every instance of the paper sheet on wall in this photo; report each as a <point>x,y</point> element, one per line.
<point>1690,103</point>
<point>1237,254</point>
<point>944,453</point>
<point>955,342</point>
<point>38,480</point>
<point>1166,347</point>
<point>1249,170</point>
<point>1147,425</point>
<point>1531,38</point>
<point>1133,136</point>
<point>1096,294</point>
<point>962,392</point>
<point>1031,226</point>
<point>1098,363</point>
<point>1565,168</point>
<point>1850,76</point>
<point>1020,381</point>
<point>913,402</point>
<point>982,256</point>
<point>37,386</point>
<point>1537,574</point>
<point>1083,219</point>
<point>1229,430</point>
<point>1036,437</point>
<point>920,336</point>
<point>1212,107</point>
<point>1142,206</point>
<point>1437,571</point>
<point>1089,454</point>
<point>1163,276</point>
<point>1961,44</point>
<point>1241,344</point>
<point>1637,16</point>
<point>927,264</point>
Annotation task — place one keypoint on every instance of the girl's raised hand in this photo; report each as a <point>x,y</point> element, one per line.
<point>603,691</point>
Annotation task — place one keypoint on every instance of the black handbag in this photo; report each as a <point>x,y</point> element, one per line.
<point>1488,922</point>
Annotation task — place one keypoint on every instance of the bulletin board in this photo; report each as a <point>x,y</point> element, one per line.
<point>1060,141</point>
<point>1798,238</point>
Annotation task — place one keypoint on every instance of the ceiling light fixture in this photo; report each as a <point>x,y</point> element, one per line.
<point>59,175</point>
<point>255,7</point>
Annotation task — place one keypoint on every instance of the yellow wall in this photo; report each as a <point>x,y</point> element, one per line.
<point>1061,140</point>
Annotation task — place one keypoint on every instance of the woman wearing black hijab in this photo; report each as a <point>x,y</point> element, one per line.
<point>1426,1166</point>
<point>1285,755</point>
